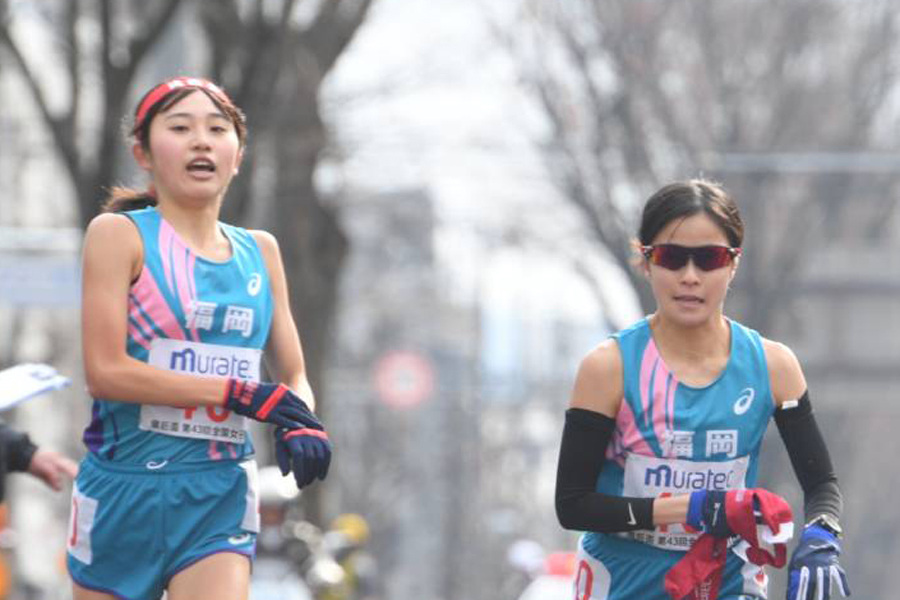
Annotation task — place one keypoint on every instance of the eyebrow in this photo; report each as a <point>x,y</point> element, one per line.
<point>191,115</point>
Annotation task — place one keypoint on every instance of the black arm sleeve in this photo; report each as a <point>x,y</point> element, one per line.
<point>16,451</point>
<point>810,459</point>
<point>578,506</point>
<point>18,448</point>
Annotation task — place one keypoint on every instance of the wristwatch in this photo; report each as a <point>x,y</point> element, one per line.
<point>828,523</point>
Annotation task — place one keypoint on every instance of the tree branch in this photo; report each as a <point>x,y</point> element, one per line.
<point>333,29</point>
<point>58,126</point>
<point>73,55</point>
<point>140,45</point>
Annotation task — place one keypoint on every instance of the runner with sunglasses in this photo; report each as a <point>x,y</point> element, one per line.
<point>178,311</point>
<point>667,417</point>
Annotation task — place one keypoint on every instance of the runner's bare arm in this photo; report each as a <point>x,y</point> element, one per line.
<point>785,374</point>
<point>284,352</point>
<point>599,388</point>
<point>112,259</point>
<point>598,385</point>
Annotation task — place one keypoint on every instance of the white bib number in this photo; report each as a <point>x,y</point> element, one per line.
<point>652,477</point>
<point>212,360</point>
<point>592,578</point>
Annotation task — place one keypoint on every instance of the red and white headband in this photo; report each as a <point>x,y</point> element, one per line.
<point>163,89</point>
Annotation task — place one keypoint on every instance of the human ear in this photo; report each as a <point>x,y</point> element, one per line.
<point>645,267</point>
<point>141,156</point>
<point>639,260</point>
<point>734,267</point>
<point>238,160</point>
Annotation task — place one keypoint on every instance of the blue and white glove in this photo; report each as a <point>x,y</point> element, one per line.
<point>814,568</point>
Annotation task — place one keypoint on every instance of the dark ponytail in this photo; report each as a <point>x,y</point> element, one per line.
<point>121,199</point>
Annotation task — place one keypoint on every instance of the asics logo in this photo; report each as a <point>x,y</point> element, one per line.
<point>742,404</point>
<point>254,284</point>
<point>237,540</point>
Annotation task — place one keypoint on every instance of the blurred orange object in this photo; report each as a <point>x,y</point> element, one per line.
<point>561,564</point>
<point>5,573</point>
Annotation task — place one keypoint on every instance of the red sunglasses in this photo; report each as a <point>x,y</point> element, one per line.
<point>674,256</point>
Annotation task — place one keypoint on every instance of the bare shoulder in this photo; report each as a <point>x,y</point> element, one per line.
<point>604,360</point>
<point>598,385</point>
<point>785,373</point>
<point>112,236</point>
<point>268,246</point>
<point>112,259</point>
<point>267,242</point>
<point>112,225</point>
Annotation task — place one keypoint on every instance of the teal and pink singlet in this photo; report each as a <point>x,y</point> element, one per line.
<point>672,438</point>
<point>162,487</point>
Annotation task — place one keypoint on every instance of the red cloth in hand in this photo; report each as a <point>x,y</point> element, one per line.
<point>698,574</point>
<point>742,507</point>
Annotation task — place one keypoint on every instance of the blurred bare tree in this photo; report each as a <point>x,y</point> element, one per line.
<point>100,71</point>
<point>640,92</point>
<point>276,61</point>
<point>271,56</point>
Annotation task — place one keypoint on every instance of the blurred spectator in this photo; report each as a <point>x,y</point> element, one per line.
<point>346,538</point>
<point>18,453</point>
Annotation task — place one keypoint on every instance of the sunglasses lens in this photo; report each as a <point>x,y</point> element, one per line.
<point>709,258</point>
<point>674,257</point>
<point>670,256</point>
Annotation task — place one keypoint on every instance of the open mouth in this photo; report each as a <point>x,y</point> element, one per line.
<point>694,299</point>
<point>201,165</point>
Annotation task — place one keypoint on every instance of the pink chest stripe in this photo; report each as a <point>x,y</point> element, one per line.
<point>146,297</point>
<point>138,334</point>
<point>178,265</point>
<point>662,395</point>
<point>628,436</point>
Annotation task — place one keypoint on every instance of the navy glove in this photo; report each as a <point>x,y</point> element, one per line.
<point>270,403</point>
<point>306,452</point>
<point>814,567</point>
<point>706,512</point>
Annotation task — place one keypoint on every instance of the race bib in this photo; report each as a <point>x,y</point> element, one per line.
<point>212,360</point>
<point>592,578</point>
<point>81,522</point>
<point>651,476</point>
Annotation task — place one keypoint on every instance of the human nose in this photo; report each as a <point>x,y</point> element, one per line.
<point>690,273</point>
<point>200,139</point>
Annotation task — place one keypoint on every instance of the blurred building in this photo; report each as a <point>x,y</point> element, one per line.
<point>445,411</point>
